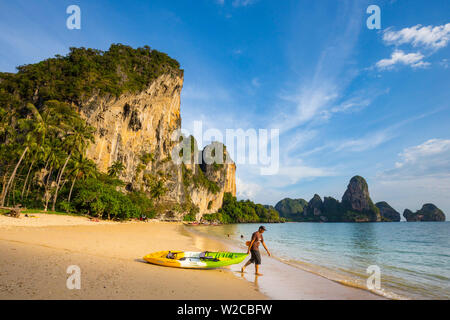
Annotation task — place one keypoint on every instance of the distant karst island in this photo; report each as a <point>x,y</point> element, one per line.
<point>356,206</point>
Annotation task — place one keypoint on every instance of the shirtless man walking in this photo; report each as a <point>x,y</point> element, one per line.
<point>253,248</point>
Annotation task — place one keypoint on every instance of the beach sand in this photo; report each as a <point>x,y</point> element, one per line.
<point>36,252</point>
<point>34,260</point>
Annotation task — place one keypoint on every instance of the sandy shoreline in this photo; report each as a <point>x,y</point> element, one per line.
<point>37,251</point>
<point>35,259</point>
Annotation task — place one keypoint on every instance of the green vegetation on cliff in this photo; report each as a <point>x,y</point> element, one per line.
<point>388,214</point>
<point>356,206</point>
<point>291,209</point>
<point>198,179</point>
<point>234,211</point>
<point>84,72</point>
<point>429,212</point>
<point>43,139</point>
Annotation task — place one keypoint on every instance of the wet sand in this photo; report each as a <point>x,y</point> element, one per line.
<point>283,281</point>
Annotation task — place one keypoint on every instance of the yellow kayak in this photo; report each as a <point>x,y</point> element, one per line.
<point>196,260</point>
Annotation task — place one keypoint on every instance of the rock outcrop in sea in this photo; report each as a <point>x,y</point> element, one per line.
<point>291,209</point>
<point>429,212</point>
<point>356,206</point>
<point>314,207</point>
<point>388,214</point>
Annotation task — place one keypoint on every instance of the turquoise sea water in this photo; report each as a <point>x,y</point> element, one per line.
<point>414,257</point>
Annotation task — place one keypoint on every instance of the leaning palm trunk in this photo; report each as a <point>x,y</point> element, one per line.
<point>11,179</point>
<point>71,188</point>
<point>26,179</point>
<point>63,184</point>
<point>5,181</point>
<point>58,182</point>
<point>46,190</point>
<point>13,188</point>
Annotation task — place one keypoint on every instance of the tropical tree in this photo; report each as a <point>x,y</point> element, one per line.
<point>33,135</point>
<point>83,168</point>
<point>38,155</point>
<point>115,170</point>
<point>54,163</point>
<point>77,140</point>
<point>158,189</point>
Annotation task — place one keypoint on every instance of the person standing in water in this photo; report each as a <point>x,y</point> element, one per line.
<point>253,248</point>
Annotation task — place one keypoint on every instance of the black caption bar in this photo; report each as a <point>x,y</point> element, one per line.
<point>216,309</point>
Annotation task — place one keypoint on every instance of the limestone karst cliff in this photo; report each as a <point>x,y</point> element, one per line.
<point>356,206</point>
<point>429,212</point>
<point>388,214</point>
<point>291,208</point>
<point>134,125</point>
<point>130,99</point>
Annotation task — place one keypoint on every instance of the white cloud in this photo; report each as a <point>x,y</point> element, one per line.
<point>313,100</point>
<point>366,142</point>
<point>288,175</point>
<point>430,157</point>
<point>246,190</point>
<point>421,175</point>
<point>309,102</point>
<point>399,57</point>
<point>412,192</point>
<point>356,102</point>
<point>298,139</point>
<point>426,37</point>
<point>432,37</point>
<point>323,86</point>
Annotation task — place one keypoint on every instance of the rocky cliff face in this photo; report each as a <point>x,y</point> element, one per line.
<point>429,212</point>
<point>356,200</point>
<point>207,183</point>
<point>387,213</point>
<point>134,124</point>
<point>291,209</point>
<point>314,207</point>
<point>356,206</point>
<point>136,129</point>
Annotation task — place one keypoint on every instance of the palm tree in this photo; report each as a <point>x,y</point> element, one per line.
<point>33,136</point>
<point>158,190</point>
<point>83,168</point>
<point>53,162</point>
<point>115,170</point>
<point>76,141</point>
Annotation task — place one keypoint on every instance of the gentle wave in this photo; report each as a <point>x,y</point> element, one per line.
<point>339,278</point>
<point>411,269</point>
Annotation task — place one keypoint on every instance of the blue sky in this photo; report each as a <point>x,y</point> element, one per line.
<point>347,100</point>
